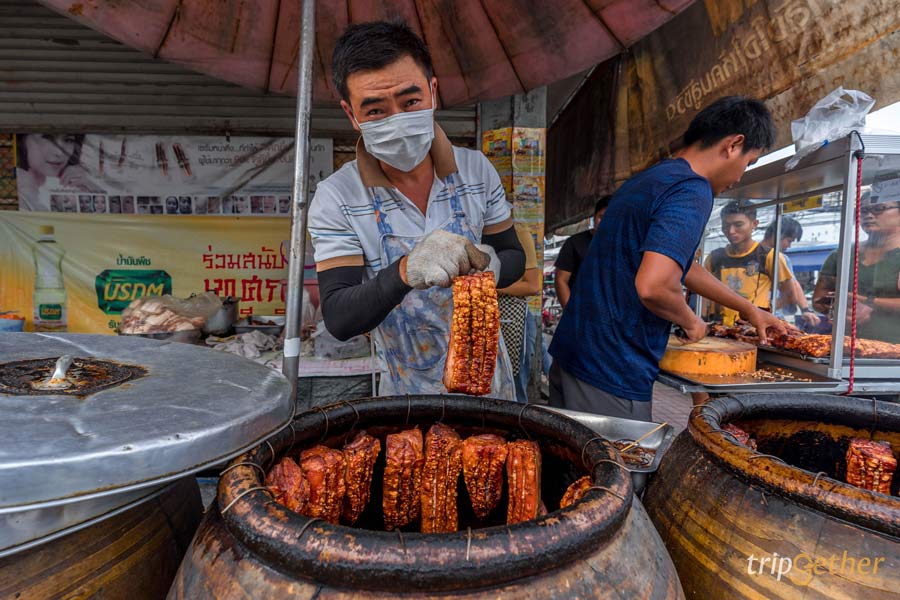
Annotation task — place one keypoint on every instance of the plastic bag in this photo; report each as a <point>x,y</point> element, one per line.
<point>199,305</point>
<point>832,118</point>
<point>328,346</point>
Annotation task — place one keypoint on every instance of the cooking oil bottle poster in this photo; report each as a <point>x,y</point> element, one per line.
<point>76,273</point>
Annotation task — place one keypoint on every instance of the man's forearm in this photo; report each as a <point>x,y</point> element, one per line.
<point>563,284</point>
<point>787,295</point>
<point>700,281</point>
<point>887,304</point>
<point>670,305</point>
<point>658,286</point>
<point>351,306</point>
<point>562,292</point>
<point>799,296</point>
<point>528,285</point>
<point>822,297</point>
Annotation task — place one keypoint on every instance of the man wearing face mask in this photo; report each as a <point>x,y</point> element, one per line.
<point>394,227</point>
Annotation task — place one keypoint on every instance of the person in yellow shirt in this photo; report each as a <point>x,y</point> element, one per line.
<point>745,265</point>
<point>515,321</point>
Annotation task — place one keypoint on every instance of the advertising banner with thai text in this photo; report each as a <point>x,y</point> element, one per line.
<point>92,267</point>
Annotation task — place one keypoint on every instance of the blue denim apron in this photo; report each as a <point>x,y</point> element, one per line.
<point>413,339</point>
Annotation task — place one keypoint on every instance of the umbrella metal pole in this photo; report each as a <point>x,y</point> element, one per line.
<point>291,363</point>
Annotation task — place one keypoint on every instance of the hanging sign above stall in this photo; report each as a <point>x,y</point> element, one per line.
<point>803,204</point>
<point>789,53</point>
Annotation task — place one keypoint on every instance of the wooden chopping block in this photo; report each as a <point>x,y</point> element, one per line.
<point>709,356</point>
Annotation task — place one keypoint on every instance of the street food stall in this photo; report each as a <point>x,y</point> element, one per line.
<point>451,496</point>
<point>821,360</point>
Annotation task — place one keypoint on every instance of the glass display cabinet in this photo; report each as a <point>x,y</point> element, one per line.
<point>807,276</point>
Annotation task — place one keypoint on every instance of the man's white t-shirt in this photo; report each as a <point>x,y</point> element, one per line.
<point>342,213</point>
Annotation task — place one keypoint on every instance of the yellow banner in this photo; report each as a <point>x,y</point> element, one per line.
<point>803,204</point>
<point>108,260</point>
<point>496,145</point>
<point>528,193</point>
<point>528,145</point>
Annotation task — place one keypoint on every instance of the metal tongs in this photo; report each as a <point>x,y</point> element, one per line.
<point>58,381</point>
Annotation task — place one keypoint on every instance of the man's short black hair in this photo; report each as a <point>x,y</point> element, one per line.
<point>790,228</point>
<point>734,208</point>
<point>733,115</point>
<point>375,45</point>
<point>602,203</point>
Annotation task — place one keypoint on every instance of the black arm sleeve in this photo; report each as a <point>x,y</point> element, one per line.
<point>509,251</point>
<point>351,306</point>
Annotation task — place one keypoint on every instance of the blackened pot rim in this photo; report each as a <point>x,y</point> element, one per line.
<point>874,511</point>
<point>386,561</point>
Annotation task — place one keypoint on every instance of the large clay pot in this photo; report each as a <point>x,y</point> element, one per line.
<point>602,547</point>
<point>133,555</point>
<point>720,507</point>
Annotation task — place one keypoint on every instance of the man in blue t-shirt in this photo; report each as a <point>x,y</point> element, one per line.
<point>614,331</point>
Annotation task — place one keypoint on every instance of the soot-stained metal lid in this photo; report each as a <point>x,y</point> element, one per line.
<point>132,413</point>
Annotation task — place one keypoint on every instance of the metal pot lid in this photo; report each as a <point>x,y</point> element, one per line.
<point>160,410</point>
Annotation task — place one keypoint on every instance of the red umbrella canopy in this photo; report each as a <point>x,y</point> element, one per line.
<point>482,49</point>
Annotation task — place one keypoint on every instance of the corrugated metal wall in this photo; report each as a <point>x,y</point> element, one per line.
<point>57,75</point>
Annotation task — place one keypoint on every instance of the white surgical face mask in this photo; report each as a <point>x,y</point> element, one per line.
<point>401,140</point>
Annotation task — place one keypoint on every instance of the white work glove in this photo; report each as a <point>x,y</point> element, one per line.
<point>494,265</point>
<point>438,258</point>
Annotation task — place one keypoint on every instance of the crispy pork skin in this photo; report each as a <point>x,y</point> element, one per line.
<point>359,461</point>
<point>523,474</point>
<point>443,463</point>
<point>404,459</point>
<point>474,335</point>
<point>323,468</point>
<point>483,460</point>
<point>289,485</point>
